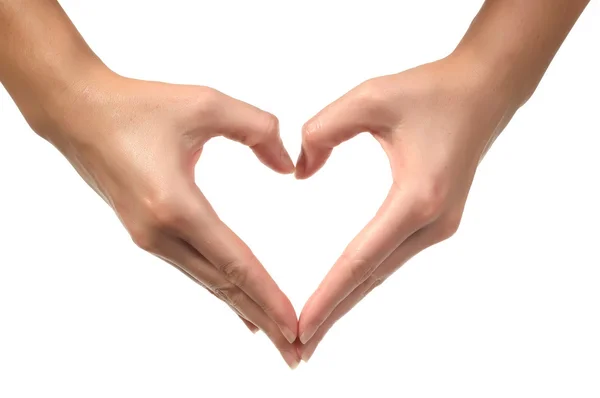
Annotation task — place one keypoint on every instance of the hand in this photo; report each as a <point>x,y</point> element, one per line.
<point>136,144</point>
<point>435,123</point>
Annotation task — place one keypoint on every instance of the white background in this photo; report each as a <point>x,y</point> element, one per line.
<point>508,307</point>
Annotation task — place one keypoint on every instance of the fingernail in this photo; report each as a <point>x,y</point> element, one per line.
<point>291,359</point>
<point>300,164</point>
<point>307,354</point>
<point>289,335</point>
<point>286,160</point>
<point>307,335</point>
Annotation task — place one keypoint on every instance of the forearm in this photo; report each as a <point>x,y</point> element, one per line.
<point>515,40</point>
<point>42,54</point>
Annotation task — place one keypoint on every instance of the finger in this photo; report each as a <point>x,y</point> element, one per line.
<point>350,115</point>
<point>185,257</point>
<point>412,246</point>
<point>252,327</point>
<point>230,255</point>
<point>395,221</point>
<point>254,128</point>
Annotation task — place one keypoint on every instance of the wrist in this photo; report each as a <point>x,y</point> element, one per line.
<point>496,75</point>
<point>49,95</point>
<point>479,92</point>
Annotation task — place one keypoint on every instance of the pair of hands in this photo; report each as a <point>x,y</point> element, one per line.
<point>136,144</point>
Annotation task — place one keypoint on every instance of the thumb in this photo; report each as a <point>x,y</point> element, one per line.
<point>350,115</point>
<point>254,128</point>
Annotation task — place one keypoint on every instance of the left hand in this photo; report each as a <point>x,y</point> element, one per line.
<point>435,123</point>
<point>136,143</point>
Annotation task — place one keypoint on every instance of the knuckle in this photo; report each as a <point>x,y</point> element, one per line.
<point>366,88</point>
<point>372,283</point>
<point>271,125</point>
<point>311,131</point>
<point>163,212</point>
<point>359,269</point>
<point>221,293</point>
<point>448,227</point>
<point>429,202</point>
<point>371,92</point>
<point>267,130</point>
<point>235,298</point>
<point>235,272</point>
<point>357,275</point>
<point>373,100</point>
<point>230,294</point>
<point>207,100</point>
<point>145,239</point>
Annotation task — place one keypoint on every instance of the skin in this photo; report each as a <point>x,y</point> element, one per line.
<point>435,123</point>
<point>136,144</point>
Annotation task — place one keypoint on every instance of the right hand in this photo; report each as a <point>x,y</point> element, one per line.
<point>435,123</point>
<point>136,144</point>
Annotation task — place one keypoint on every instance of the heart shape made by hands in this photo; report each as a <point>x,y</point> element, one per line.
<point>433,148</point>
<point>433,165</point>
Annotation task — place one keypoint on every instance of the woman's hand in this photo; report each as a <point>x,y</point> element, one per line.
<point>435,123</point>
<point>136,144</point>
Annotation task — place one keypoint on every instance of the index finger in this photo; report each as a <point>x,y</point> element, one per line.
<point>232,257</point>
<point>394,222</point>
<point>251,126</point>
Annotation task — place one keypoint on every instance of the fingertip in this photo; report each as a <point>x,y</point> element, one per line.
<point>277,159</point>
<point>299,348</point>
<point>291,358</point>
<point>306,330</point>
<point>306,352</point>
<point>285,161</point>
<point>299,176</point>
<point>309,163</point>
<point>289,335</point>
<point>303,168</point>
<point>252,327</point>
<point>300,166</point>
<point>307,335</point>
<point>284,316</point>
<point>283,169</point>
<point>312,317</point>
